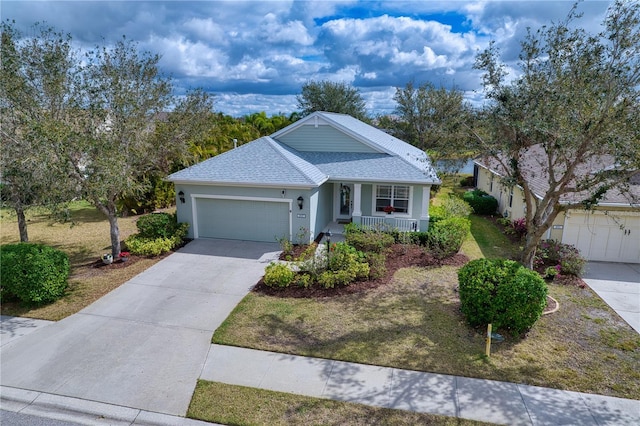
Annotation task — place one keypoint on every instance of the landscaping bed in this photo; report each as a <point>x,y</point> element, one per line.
<point>399,256</point>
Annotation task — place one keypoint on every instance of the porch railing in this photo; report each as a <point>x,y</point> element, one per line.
<point>382,223</point>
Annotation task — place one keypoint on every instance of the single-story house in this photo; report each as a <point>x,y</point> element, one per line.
<point>323,168</point>
<point>610,232</point>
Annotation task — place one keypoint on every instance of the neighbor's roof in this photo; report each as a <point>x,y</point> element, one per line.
<point>533,162</point>
<point>263,162</point>
<point>268,162</point>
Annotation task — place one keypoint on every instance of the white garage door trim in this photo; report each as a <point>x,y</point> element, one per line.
<point>194,213</point>
<point>617,240</point>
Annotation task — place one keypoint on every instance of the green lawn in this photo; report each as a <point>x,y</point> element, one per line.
<point>84,238</point>
<point>414,322</point>
<point>237,405</point>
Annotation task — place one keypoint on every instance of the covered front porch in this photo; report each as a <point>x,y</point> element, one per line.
<point>381,206</point>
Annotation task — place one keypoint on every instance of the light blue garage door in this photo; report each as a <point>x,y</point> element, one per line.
<point>249,220</point>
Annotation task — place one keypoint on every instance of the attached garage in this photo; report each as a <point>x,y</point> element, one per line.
<point>604,236</point>
<point>241,218</point>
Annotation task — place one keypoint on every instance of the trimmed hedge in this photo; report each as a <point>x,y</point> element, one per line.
<point>33,273</point>
<point>481,202</point>
<point>501,292</point>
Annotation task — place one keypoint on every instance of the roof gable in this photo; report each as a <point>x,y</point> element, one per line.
<point>374,139</point>
<point>263,162</point>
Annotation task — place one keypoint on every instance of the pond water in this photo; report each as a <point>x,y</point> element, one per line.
<point>463,166</point>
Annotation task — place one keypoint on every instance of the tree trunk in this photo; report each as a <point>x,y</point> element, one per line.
<point>115,234</point>
<point>22,223</point>
<point>529,251</point>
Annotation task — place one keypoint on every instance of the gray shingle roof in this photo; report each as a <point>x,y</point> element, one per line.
<point>364,167</point>
<point>533,162</point>
<point>266,161</point>
<point>261,162</point>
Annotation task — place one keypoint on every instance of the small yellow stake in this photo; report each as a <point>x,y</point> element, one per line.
<point>488,348</point>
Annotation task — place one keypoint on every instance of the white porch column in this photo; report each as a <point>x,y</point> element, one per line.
<point>357,199</point>
<point>426,194</point>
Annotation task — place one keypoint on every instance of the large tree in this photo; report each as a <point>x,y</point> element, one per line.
<point>36,78</point>
<point>432,118</point>
<point>112,151</point>
<point>573,108</point>
<point>331,97</point>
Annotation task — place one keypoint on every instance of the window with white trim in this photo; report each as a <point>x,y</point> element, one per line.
<point>396,196</point>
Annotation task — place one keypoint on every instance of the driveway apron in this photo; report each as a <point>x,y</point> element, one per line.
<point>144,344</point>
<point>618,284</point>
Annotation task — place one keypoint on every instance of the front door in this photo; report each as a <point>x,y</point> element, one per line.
<point>345,200</point>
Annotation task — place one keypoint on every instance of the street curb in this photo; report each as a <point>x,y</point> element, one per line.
<point>83,411</point>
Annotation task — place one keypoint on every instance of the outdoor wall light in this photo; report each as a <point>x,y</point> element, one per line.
<point>181,196</point>
<point>300,202</point>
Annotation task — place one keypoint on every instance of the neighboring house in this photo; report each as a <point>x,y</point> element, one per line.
<point>321,169</point>
<point>610,232</point>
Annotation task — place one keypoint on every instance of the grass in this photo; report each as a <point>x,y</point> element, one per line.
<point>85,238</point>
<point>414,322</point>
<point>238,405</point>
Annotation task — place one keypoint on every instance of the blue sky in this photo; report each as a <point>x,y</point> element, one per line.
<point>256,55</point>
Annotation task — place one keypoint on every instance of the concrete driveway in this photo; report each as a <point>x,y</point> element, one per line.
<point>618,284</point>
<point>144,344</point>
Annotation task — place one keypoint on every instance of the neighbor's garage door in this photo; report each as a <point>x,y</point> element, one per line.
<point>613,237</point>
<point>249,220</point>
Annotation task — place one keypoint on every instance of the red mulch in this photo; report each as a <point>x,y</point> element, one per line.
<point>399,256</point>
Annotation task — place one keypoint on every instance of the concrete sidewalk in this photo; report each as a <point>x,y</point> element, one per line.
<point>475,399</point>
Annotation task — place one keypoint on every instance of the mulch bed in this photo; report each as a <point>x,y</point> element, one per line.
<point>399,256</point>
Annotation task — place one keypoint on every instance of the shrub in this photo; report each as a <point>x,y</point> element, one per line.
<point>370,241</point>
<point>303,280</point>
<point>445,237</point>
<point>377,265</point>
<point>278,275</point>
<point>345,264</point>
<point>466,181</point>
<point>157,225</point>
<point>145,244</point>
<point>520,226</point>
<point>450,207</point>
<point>419,237</point>
<point>481,202</point>
<point>552,253</point>
<point>455,207</point>
<point>501,292</point>
<point>34,273</point>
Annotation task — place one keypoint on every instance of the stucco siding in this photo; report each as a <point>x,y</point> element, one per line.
<point>185,211</point>
<point>490,183</point>
<point>323,138</point>
<point>324,208</point>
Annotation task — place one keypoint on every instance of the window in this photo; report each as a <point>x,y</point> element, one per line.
<point>392,195</point>
<point>491,184</point>
<point>511,197</point>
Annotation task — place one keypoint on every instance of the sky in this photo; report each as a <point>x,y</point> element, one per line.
<point>255,55</point>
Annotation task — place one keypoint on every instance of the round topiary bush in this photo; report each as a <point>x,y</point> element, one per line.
<point>501,292</point>
<point>34,273</point>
